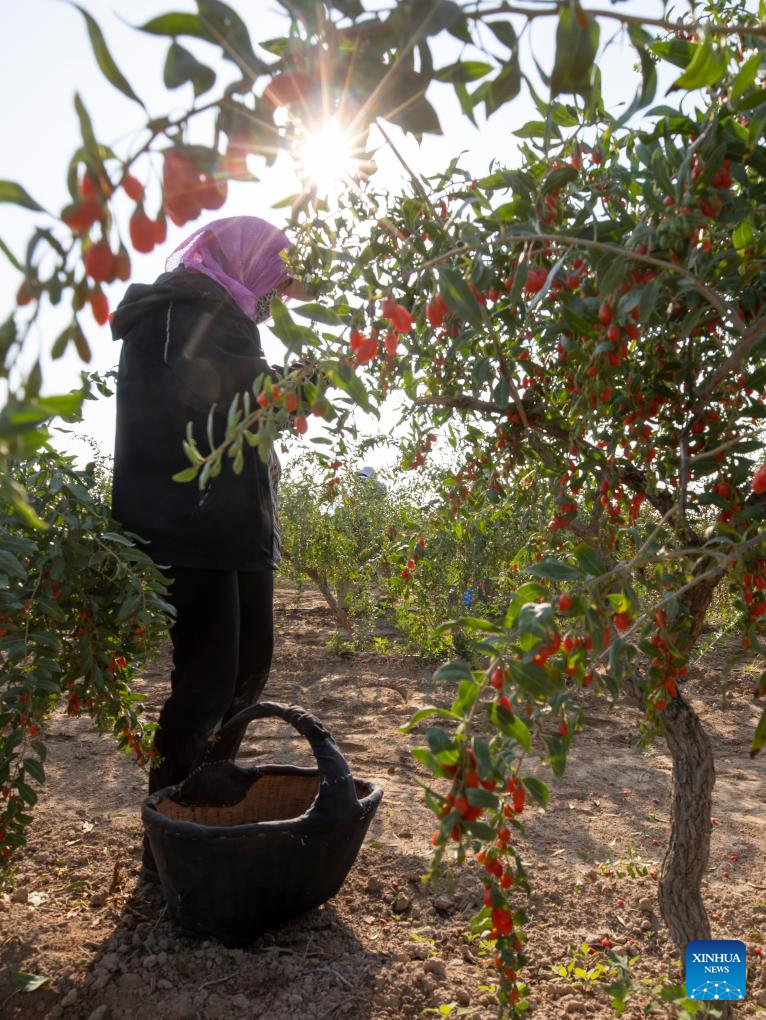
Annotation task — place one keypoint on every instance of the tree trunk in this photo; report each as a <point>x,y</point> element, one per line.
<point>688,850</point>
<point>688,853</point>
<point>337,608</point>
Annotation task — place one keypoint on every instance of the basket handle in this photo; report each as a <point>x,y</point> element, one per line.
<point>337,791</point>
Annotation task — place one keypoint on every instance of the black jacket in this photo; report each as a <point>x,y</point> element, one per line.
<point>187,345</point>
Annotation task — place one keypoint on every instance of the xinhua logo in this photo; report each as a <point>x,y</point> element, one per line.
<point>715,969</point>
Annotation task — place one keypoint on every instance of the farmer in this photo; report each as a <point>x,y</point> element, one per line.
<point>190,342</point>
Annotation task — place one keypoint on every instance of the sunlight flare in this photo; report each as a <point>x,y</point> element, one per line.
<point>326,157</point>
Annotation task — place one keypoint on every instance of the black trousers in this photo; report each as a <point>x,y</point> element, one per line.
<point>223,640</point>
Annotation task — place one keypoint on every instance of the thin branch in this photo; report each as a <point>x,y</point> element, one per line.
<point>419,186</point>
<point>461,403</point>
<point>751,336</point>
<point>706,454</point>
<point>626,19</point>
<point>711,296</point>
<point>504,366</point>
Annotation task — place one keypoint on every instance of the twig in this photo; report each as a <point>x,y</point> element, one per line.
<point>626,19</point>
<point>217,981</point>
<point>711,296</point>
<point>461,403</point>
<point>420,187</point>
<point>504,367</point>
<point>750,338</point>
<point>332,970</point>
<point>756,434</point>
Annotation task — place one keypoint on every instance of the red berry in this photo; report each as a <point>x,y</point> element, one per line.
<point>133,187</point>
<point>301,424</point>
<point>87,187</point>
<point>605,314</point>
<point>498,677</point>
<point>99,261</point>
<point>391,342</point>
<point>24,295</point>
<point>759,481</point>
<point>535,280</point>
<point>99,305</point>
<point>141,230</point>
<point>398,316</point>
<point>81,216</point>
<point>436,311</point>
<point>565,603</point>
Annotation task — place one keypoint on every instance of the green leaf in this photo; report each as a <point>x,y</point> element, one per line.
<point>477,797</point>
<point>453,671</point>
<point>648,88</point>
<point>104,58</point>
<point>26,793</point>
<point>12,192</point>
<point>426,713</point>
<point>35,769</point>
<point>576,47</point>
<point>475,623</point>
<point>10,565</point>
<point>675,51</point>
<point>459,297</point>
<point>589,560</point>
<point>225,27</point>
<point>463,71</point>
<point>745,76</point>
<point>510,725</point>
<point>293,336</point>
<point>414,113</point>
<point>175,24</point>
<point>707,66</point>
<point>28,982</point>
<point>181,67</point>
<point>530,678</point>
<point>538,789</point>
<point>438,740</point>
<point>429,17</point>
<point>743,236</point>
<point>318,313</point>
<point>129,606</point>
<point>187,475</point>
<point>505,87</point>
<point>86,124</point>
<point>10,256</point>
<point>554,570</point>
<point>504,32</point>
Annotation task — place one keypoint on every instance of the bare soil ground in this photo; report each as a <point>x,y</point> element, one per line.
<point>387,947</point>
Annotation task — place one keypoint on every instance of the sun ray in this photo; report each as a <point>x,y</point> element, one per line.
<point>326,157</point>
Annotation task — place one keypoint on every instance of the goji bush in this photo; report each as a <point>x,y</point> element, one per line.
<point>588,322</point>
<point>81,607</point>
<point>337,530</point>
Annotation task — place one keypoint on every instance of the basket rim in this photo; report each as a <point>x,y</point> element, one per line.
<point>150,812</point>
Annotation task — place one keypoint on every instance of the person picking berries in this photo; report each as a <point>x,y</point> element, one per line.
<point>191,342</point>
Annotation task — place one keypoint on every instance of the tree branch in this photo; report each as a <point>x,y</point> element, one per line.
<point>626,19</point>
<point>711,296</point>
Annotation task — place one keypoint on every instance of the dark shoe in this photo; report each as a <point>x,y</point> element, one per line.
<point>149,874</point>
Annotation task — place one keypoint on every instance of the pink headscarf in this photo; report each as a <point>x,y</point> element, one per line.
<point>239,252</point>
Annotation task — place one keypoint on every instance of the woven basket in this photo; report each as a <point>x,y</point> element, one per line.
<point>242,850</point>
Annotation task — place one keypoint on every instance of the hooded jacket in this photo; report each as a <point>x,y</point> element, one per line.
<point>187,346</point>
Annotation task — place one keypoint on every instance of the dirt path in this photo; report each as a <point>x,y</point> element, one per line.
<point>386,947</point>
